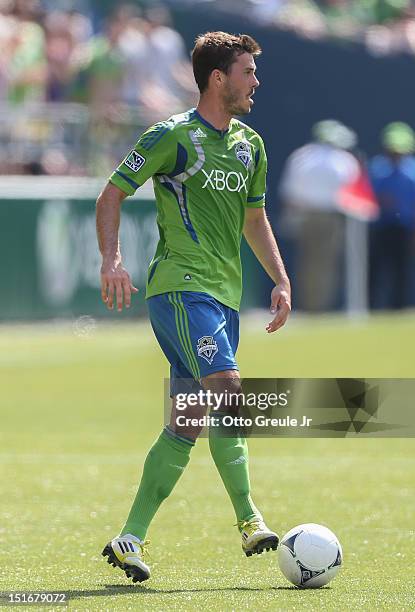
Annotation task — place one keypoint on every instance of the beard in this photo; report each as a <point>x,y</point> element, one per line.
<point>235,103</point>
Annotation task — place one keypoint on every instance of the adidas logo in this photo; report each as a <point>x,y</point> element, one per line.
<point>126,546</point>
<point>240,459</point>
<point>199,133</point>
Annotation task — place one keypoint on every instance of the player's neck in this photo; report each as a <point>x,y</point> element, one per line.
<point>213,112</point>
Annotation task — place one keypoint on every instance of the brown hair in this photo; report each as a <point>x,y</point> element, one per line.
<point>218,50</point>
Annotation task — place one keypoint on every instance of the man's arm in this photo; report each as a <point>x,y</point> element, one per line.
<point>114,278</point>
<point>259,235</point>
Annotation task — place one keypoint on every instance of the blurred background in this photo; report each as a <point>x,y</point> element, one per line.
<point>81,79</point>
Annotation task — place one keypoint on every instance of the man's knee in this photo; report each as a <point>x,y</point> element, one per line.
<point>227,390</point>
<point>186,421</point>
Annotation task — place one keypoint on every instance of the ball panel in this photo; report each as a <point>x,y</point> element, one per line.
<point>317,557</point>
<point>339,557</point>
<point>302,543</point>
<point>288,565</point>
<point>289,541</point>
<point>321,580</point>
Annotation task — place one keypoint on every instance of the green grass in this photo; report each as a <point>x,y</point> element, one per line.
<point>78,416</point>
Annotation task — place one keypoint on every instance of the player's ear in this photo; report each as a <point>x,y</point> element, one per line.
<point>217,77</point>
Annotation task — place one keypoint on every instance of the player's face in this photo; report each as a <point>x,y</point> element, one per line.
<point>240,85</point>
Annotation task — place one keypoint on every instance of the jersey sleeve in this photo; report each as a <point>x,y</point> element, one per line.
<point>154,153</point>
<point>257,188</point>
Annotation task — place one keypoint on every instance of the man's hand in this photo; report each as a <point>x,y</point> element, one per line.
<point>280,306</point>
<point>261,239</point>
<point>116,282</point>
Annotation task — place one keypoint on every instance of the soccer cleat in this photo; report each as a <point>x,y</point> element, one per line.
<point>127,552</point>
<point>256,537</point>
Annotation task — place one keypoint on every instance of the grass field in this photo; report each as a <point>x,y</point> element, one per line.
<point>78,416</point>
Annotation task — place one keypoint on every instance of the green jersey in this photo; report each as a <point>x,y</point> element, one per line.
<point>203,179</point>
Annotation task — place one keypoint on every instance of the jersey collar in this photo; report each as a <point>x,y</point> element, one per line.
<point>221,133</point>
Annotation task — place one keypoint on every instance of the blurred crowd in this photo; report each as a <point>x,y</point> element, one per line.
<point>124,72</point>
<point>135,57</point>
<point>327,186</point>
<point>384,26</point>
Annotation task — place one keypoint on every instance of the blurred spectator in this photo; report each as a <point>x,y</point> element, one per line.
<point>26,69</point>
<point>393,234</point>
<point>169,73</point>
<point>134,54</point>
<point>8,34</point>
<point>65,32</point>
<point>303,16</point>
<point>266,10</point>
<point>101,67</point>
<point>312,179</point>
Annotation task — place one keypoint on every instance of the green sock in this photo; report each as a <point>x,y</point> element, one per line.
<point>231,458</point>
<point>163,467</point>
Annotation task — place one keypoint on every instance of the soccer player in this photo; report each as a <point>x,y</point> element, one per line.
<point>209,172</point>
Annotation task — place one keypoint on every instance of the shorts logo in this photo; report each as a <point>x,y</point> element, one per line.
<point>134,161</point>
<point>207,348</point>
<point>243,153</point>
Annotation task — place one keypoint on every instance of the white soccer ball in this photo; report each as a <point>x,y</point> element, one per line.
<point>310,555</point>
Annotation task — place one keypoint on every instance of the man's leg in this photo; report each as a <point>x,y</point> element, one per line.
<point>168,456</point>
<point>230,454</point>
<point>229,450</point>
<point>213,338</point>
<point>164,465</point>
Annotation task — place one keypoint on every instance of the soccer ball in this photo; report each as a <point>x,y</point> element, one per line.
<point>310,555</point>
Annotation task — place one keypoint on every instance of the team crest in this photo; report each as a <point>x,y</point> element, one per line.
<point>207,348</point>
<point>243,153</point>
